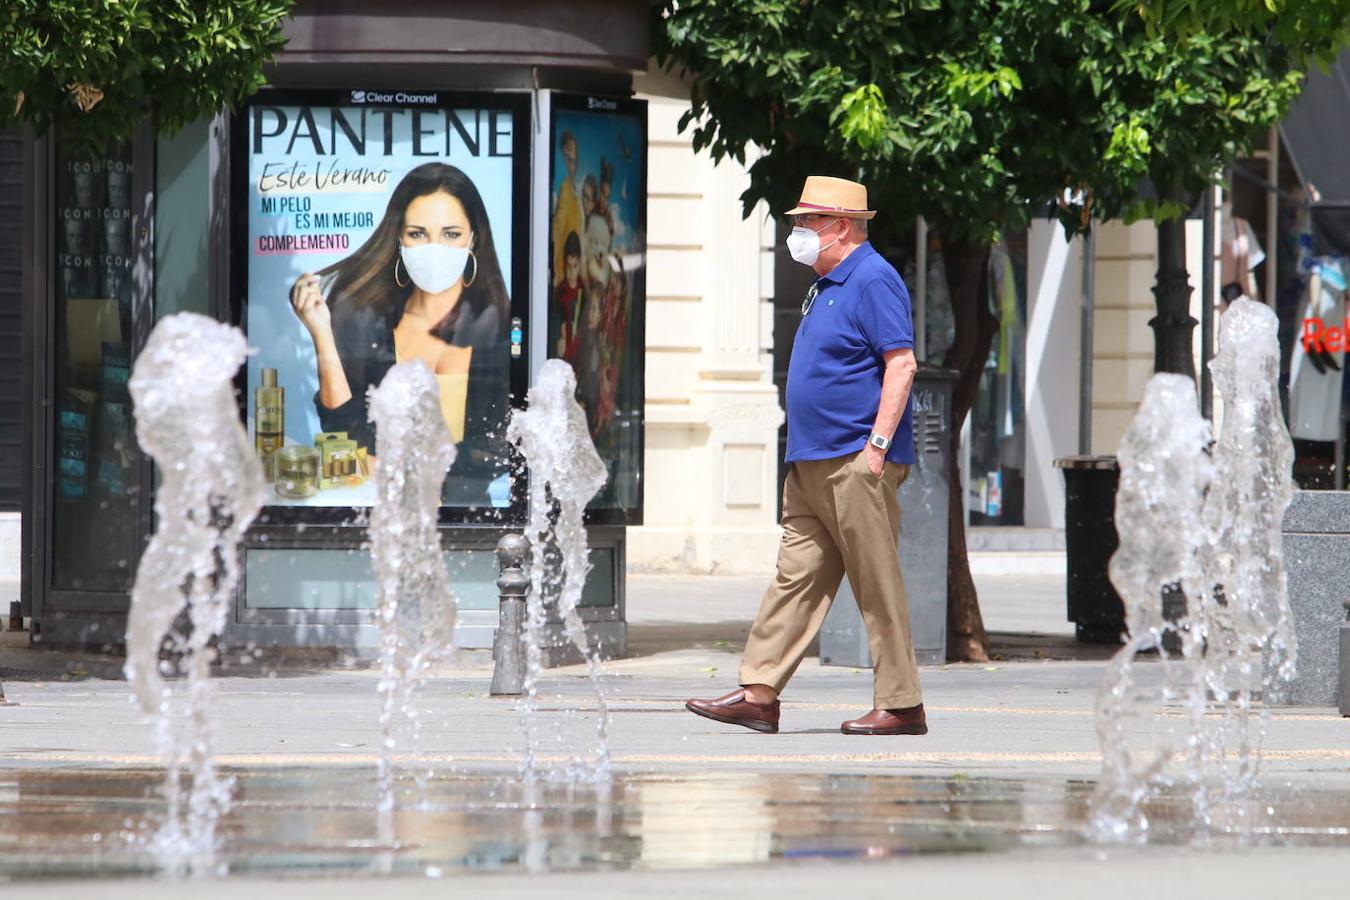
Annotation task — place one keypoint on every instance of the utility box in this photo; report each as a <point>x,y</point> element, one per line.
<point>1316,548</point>
<point>923,537</point>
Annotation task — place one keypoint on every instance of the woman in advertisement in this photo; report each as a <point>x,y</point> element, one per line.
<point>426,285</point>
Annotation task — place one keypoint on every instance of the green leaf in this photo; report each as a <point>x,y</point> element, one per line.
<point>862,115</point>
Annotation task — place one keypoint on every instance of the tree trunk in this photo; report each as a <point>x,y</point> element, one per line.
<point>967,266</point>
<point>1173,325</point>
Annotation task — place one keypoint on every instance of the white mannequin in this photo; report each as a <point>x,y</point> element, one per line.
<point>1240,253</point>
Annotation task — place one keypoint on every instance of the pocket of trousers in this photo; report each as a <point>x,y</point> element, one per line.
<point>861,462</point>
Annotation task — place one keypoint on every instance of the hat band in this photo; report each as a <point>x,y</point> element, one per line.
<point>829,208</point>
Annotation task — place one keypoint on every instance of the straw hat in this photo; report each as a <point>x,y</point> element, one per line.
<point>825,196</point>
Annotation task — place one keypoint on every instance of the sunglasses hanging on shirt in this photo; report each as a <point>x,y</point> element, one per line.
<point>811,294</point>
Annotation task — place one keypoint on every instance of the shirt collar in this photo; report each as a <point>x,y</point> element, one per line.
<point>839,274</point>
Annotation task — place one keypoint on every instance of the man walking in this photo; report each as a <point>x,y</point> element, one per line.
<point>850,445</point>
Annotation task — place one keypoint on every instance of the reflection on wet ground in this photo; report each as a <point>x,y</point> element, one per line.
<point>319,821</point>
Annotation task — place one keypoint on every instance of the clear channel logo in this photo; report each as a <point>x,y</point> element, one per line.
<point>399,97</point>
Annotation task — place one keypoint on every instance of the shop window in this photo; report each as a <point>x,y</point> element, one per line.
<point>95,511</point>
<point>1308,244</point>
<point>997,442</point>
<point>998,418</point>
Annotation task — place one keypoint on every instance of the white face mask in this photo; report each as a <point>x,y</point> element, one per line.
<point>434,267</point>
<point>804,244</point>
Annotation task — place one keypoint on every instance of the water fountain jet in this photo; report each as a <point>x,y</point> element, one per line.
<point>1200,520</point>
<point>416,606</point>
<point>187,419</point>
<point>566,471</point>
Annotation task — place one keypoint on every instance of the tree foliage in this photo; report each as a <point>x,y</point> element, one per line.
<point>973,113</point>
<point>1313,30</point>
<point>897,94</point>
<point>95,69</point>
<point>1174,115</point>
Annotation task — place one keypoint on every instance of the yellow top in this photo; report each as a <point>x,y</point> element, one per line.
<point>454,391</point>
<point>566,218</point>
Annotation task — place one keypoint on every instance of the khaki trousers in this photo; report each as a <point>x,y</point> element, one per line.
<point>837,518</point>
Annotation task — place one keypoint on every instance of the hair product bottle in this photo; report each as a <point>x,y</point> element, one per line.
<point>269,420</point>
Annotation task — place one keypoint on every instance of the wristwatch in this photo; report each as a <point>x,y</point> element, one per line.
<point>880,442</point>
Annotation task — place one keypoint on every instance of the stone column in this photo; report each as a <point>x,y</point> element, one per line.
<point>1051,390</point>
<point>735,384</point>
<point>712,410</point>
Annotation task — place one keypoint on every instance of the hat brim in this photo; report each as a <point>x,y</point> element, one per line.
<point>837,213</point>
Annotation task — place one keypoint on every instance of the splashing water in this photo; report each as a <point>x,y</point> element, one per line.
<point>1248,627</point>
<point>1254,486</point>
<point>1200,521</point>
<point>1165,472</point>
<point>415,602</point>
<point>565,473</point>
<point>212,486</point>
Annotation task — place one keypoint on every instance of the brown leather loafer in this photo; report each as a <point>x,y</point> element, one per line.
<point>889,721</point>
<point>736,708</point>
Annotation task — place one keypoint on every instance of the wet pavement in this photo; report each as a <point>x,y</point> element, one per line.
<point>323,822</point>
<point>993,801</point>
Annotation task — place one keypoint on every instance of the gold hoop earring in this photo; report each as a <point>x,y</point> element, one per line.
<point>469,281</point>
<point>396,281</point>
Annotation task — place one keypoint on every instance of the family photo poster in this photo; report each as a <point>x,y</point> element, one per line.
<point>597,275</point>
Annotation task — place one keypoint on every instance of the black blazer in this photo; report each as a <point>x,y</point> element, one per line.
<point>365,344</point>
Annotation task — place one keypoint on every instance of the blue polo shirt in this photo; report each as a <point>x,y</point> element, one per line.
<point>860,312</point>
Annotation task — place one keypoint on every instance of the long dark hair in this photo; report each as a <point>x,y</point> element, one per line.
<point>366,277</point>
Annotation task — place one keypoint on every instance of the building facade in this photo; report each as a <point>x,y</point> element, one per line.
<point>713,412</point>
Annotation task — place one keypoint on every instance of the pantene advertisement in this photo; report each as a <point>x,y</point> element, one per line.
<point>379,231</point>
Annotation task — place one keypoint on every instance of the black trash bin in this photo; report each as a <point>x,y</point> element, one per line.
<point>1095,608</point>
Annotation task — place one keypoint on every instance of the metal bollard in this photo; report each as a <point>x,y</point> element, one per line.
<point>513,585</point>
<point>1345,662</point>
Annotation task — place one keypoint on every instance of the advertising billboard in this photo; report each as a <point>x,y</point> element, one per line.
<point>376,228</point>
<point>598,277</point>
